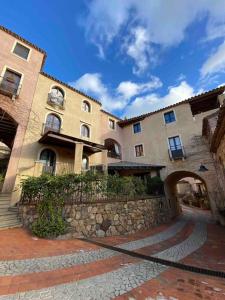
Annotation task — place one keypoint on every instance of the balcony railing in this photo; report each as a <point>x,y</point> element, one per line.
<point>47,128</point>
<point>176,154</point>
<point>9,88</point>
<point>113,154</point>
<point>57,169</point>
<point>56,100</point>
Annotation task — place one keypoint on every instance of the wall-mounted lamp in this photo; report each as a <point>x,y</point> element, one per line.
<point>202,168</point>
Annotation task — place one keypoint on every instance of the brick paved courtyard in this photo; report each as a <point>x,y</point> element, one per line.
<point>32,268</point>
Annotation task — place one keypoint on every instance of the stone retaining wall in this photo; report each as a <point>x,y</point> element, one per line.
<point>108,219</point>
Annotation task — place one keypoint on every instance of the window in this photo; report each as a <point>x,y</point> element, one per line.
<point>139,150</point>
<point>53,123</point>
<point>114,148</point>
<point>86,106</point>
<point>111,124</point>
<point>10,82</point>
<point>21,51</point>
<point>56,96</point>
<point>169,117</point>
<point>137,127</point>
<point>48,158</point>
<point>176,149</point>
<point>85,131</point>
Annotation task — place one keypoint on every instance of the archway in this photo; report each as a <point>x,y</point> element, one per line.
<point>8,128</point>
<point>114,148</point>
<point>194,193</point>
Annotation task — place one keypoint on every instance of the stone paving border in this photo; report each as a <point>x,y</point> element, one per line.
<point>17,267</point>
<point>120,281</point>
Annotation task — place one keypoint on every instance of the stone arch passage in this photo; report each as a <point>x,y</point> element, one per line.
<point>170,185</point>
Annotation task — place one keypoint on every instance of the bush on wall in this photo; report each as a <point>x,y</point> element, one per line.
<point>49,189</point>
<point>49,194</point>
<point>155,185</point>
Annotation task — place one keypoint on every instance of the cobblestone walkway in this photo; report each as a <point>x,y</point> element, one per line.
<point>94,273</point>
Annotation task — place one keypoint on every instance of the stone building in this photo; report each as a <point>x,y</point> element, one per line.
<point>214,133</point>
<point>52,127</point>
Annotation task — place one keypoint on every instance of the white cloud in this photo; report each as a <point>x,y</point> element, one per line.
<point>153,101</point>
<point>148,24</point>
<point>215,62</point>
<point>92,84</point>
<point>129,89</point>
<point>137,46</point>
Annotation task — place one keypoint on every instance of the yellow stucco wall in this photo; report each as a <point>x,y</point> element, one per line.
<point>72,117</point>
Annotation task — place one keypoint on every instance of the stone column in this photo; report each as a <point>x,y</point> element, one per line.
<point>105,160</point>
<point>78,155</point>
<point>11,173</point>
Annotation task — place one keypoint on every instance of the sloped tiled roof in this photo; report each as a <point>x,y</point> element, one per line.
<point>132,165</point>
<point>69,87</point>
<point>215,91</point>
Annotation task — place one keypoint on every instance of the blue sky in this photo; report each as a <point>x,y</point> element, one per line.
<point>134,56</point>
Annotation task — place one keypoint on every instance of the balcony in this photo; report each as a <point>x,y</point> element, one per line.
<point>176,154</point>
<point>9,87</point>
<point>113,154</point>
<point>54,100</point>
<point>57,169</point>
<point>47,127</point>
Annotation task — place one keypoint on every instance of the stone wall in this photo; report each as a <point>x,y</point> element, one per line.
<point>108,219</point>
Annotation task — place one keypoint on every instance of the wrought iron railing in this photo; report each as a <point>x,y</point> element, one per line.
<point>113,154</point>
<point>56,100</point>
<point>60,168</point>
<point>89,191</point>
<point>176,153</point>
<point>9,88</point>
<point>47,127</point>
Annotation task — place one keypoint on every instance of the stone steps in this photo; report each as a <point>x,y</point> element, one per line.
<point>8,215</point>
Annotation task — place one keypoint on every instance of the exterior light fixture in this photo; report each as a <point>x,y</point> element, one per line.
<point>202,168</point>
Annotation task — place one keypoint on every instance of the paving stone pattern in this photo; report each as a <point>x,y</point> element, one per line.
<point>15,267</point>
<point>120,281</point>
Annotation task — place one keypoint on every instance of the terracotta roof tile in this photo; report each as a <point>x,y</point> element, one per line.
<point>129,121</point>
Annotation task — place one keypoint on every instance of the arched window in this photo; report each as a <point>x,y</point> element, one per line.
<point>114,148</point>
<point>53,123</point>
<point>85,163</point>
<point>85,131</point>
<point>56,96</point>
<point>86,106</point>
<point>48,158</point>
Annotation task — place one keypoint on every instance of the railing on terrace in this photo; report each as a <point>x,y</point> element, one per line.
<point>9,88</point>
<point>46,128</point>
<point>60,168</point>
<point>56,100</point>
<point>113,154</point>
<point>87,192</point>
<point>175,153</point>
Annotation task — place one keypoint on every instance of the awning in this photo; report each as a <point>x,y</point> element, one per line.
<point>58,139</point>
<point>127,165</point>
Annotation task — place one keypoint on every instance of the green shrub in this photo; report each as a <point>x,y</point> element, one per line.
<point>50,193</point>
<point>50,222</point>
<point>155,185</point>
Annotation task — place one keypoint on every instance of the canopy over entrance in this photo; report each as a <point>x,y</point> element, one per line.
<point>58,139</point>
<point>127,168</point>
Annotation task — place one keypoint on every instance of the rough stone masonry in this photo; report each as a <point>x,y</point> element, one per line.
<point>108,218</point>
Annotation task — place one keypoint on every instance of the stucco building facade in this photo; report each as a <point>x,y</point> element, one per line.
<point>58,129</point>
